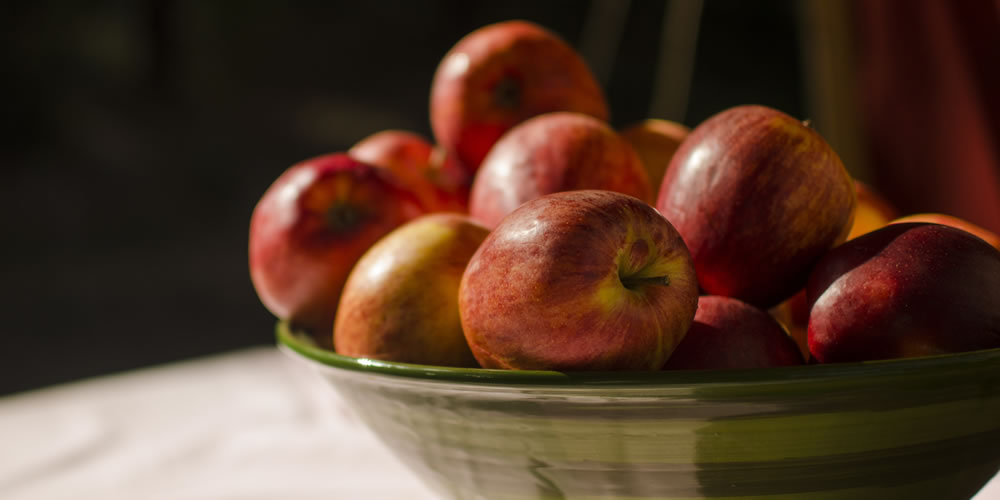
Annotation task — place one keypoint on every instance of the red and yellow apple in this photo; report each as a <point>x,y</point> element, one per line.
<point>907,289</point>
<point>793,314</point>
<point>950,220</point>
<point>655,141</point>
<point>311,226</point>
<point>437,182</point>
<point>554,152</point>
<point>579,280</point>
<point>400,302</point>
<point>729,333</point>
<point>873,211</point>
<point>500,75</point>
<point>758,197</point>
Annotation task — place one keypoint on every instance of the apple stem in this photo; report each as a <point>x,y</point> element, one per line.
<point>632,283</point>
<point>343,217</point>
<point>507,93</point>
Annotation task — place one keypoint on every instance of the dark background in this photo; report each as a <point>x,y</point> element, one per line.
<point>136,137</point>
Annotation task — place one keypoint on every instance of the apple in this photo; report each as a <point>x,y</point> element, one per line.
<point>873,211</point>
<point>758,197</point>
<point>400,302</point>
<point>450,175</point>
<point>500,75</point>
<point>656,141</point>
<point>907,289</point>
<point>793,314</point>
<point>950,220</point>
<point>552,152</point>
<point>729,333</point>
<point>440,184</point>
<point>579,280</point>
<point>311,226</point>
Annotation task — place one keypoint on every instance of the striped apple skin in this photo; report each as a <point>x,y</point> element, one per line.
<point>759,197</point>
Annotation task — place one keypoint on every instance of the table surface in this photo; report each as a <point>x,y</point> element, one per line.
<point>247,425</point>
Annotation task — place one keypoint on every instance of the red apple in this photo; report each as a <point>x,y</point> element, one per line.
<point>400,302</point>
<point>759,198</point>
<point>579,280</point>
<point>656,141</point>
<point>450,175</point>
<point>554,152</point>
<point>873,211</point>
<point>437,182</point>
<point>908,289</point>
<point>949,220</point>
<point>311,226</point>
<point>500,75</point>
<point>729,333</point>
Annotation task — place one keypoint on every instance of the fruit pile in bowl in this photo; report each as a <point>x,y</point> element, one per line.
<point>537,305</point>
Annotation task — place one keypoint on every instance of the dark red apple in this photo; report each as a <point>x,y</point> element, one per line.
<point>579,280</point>
<point>729,333</point>
<point>949,220</point>
<point>759,197</point>
<point>501,75</point>
<point>554,152</point>
<point>908,289</point>
<point>420,167</point>
<point>400,302</point>
<point>872,212</point>
<point>311,226</point>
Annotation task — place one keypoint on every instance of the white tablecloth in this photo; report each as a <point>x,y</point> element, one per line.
<point>248,425</point>
<point>251,424</point>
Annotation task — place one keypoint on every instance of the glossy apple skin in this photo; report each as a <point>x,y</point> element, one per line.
<point>400,302</point>
<point>500,75</point>
<point>440,184</point>
<point>728,333</point>
<point>579,280</point>
<point>948,220</point>
<point>759,198</point>
<point>655,141</point>
<point>905,290</point>
<point>873,211</point>
<point>555,152</point>
<point>311,226</point>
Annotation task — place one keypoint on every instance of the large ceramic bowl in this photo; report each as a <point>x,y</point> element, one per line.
<point>925,428</point>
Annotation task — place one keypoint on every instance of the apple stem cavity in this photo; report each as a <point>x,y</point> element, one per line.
<point>343,216</point>
<point>633,282</point>
<point>507,93</point>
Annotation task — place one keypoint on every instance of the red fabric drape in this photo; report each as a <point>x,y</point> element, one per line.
<point>930,89</point>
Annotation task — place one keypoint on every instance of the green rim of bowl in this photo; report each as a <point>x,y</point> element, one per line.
<point>303,345</point>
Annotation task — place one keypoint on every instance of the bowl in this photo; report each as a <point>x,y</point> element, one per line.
<point>912,428</point>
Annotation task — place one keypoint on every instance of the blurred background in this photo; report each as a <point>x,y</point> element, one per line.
<point>136,137</point>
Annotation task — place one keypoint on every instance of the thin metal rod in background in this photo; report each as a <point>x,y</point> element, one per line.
<point>675,64</point>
